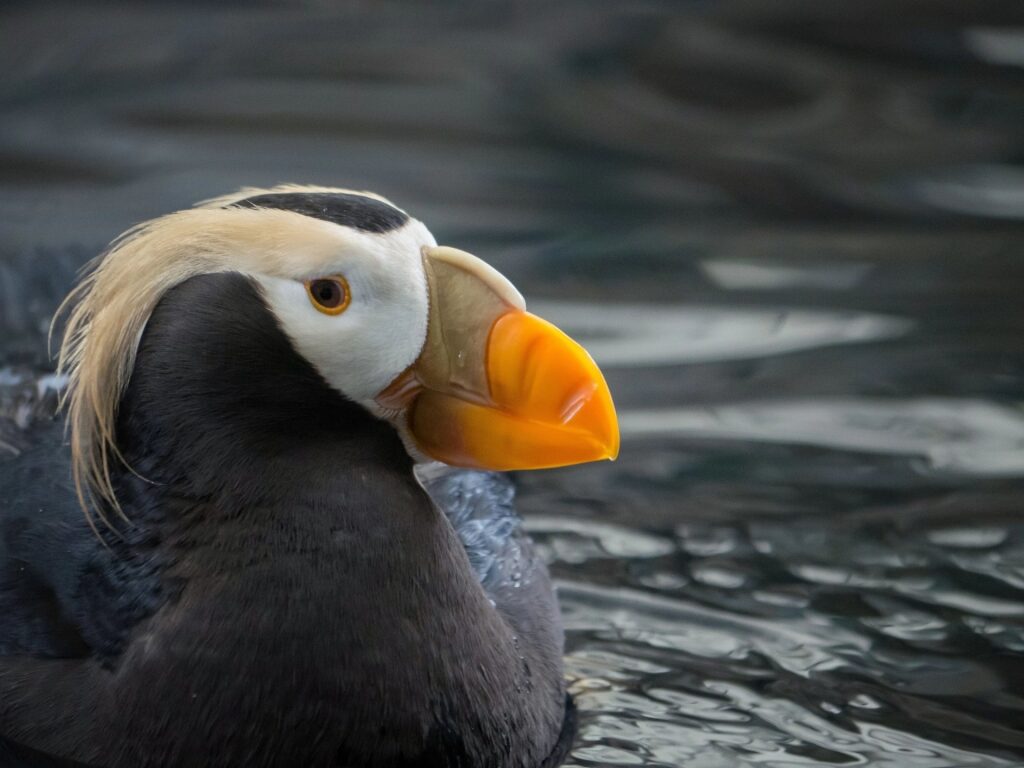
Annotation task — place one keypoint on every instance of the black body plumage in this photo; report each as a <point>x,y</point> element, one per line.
<point>285,593</point>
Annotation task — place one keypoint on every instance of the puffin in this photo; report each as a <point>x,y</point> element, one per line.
<point>269,523</point>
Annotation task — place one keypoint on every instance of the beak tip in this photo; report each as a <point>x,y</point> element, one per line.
<point>612,451</point>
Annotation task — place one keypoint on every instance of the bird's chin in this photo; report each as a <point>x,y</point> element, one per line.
<point>396,414</point>
<point>419,457</point>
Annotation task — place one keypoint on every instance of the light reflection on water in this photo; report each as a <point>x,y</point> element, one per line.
<point>789,232</point>
<point>664,678</point>
<point>624,335</point>
<point>959,436</point>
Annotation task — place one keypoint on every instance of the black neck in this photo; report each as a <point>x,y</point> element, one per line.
<point>315,587</point>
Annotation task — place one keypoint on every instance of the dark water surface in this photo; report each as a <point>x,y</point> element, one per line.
<point>791,233</point>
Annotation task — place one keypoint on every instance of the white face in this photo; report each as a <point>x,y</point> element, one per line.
<point>381,331</point>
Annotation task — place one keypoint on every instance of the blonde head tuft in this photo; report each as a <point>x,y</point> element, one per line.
<point>108,310</point>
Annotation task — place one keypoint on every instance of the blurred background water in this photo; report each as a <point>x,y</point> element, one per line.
<point>791,233</point>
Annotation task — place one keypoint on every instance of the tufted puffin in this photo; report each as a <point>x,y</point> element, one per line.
<point>268,526</point>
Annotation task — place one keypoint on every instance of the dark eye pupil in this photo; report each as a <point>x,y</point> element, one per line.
<point>327,292</point>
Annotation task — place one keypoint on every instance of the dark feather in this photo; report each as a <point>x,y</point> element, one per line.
<point>285,587</point>
<point>17,756</point>
<point>349,210</point>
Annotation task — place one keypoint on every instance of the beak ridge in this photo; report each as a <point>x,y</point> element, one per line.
<point>500,388</point>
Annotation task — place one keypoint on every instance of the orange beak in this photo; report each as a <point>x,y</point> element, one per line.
<point>495,386</point>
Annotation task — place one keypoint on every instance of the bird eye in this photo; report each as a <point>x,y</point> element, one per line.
<point>330,295</point>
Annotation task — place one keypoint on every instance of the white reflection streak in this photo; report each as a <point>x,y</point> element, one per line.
<point>997,46</point>
<point>981,190</point>
<point>633,335</point>
<point>967,436</point>
<point>759,276</point>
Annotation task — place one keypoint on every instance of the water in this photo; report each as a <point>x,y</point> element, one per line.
<point>789,232</point>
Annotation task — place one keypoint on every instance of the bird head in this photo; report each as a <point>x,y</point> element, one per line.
<point>427,337</point>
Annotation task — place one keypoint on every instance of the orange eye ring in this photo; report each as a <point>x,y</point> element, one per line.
<point>330,295</point>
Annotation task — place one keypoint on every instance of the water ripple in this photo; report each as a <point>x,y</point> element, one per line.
<point>960,436</point>
<point>709,672</point>
<point>631,335</point>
